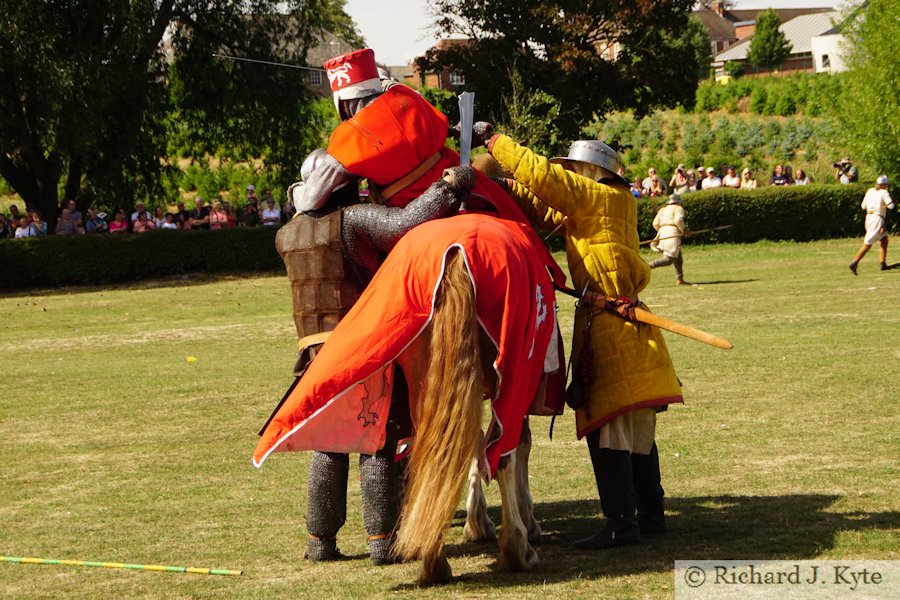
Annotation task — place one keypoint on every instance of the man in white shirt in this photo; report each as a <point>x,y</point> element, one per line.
<point>712,180</point>
<point>271,214</point>
<point>876,203</point>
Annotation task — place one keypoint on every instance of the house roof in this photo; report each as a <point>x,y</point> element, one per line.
<point>722,27</point>
<point>799,31</point>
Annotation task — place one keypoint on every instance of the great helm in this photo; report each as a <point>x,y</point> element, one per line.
<point>594,152</point>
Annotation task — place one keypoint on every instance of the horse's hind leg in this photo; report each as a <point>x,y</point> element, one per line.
<point>516,554</point>
<point>478,524</point>
<point>526,506</point>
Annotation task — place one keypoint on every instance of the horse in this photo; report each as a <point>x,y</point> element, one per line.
<point>465,307</point>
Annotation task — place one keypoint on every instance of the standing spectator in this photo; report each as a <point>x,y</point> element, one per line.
<point>66,223</point>
<point>692,180</point>
<point>271,214</point>
<point>199,217</point>
<point>251,195</point>
<point>681,181</point>
<point>845,172</point>
<point>747,180</point>
<point>711,180</point>
<point>169,222</point>
<point>802,178</point>
<point>652,185</point>
<point>143,224</point>
<point>250,216</point>
<point>701,177</point>
<point>96,222</point>
<point>876,202</point>
<point>4,228</point>
<point>14,212</point>
<point>778,176</point>
<point>670,228</point>
<point>731,178</point>
<point>229,212</point>
<point>217,217</point>
<point>119,224</point>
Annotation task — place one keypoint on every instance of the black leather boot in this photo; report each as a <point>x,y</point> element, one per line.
<point>650,506</point>
<point>613,473</point>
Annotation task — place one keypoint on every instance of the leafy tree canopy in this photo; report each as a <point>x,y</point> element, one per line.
<point>768,46</point>
<point>92,91</point>
<point>869,106</point>
<point>590,56</point>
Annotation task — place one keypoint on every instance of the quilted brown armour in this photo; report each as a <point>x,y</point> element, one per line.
<point>322,286</point>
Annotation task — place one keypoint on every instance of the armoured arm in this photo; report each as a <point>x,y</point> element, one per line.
<point>328,175</point>
<point>370,231</point>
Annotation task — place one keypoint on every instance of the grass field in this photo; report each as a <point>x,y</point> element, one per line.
<point>116,447</point>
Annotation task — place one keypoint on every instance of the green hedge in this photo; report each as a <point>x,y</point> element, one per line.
<point>799,213</point>
<point>96,259</point>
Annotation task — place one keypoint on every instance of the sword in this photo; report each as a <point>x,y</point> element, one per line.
<point>627,310</point>
<point>466,120</point>
<point>691,234</point>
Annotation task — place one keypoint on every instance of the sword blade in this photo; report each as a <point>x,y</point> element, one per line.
<point>466,120</point>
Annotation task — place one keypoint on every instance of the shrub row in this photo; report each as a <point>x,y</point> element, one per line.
<point>97,259</point>
<point>799,213</point>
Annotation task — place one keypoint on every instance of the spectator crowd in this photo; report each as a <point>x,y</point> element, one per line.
<point>204,215</point>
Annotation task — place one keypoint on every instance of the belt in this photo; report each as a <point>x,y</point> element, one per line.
<point>407,179</point>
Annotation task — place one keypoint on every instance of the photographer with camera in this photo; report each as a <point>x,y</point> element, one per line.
<point>845,172</point>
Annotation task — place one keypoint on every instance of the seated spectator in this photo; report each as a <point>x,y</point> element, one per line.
<point>37,227</point>
<point>76,215</point>
<point>159,217</point>
<point>637,188</point>
<point>4,228</point>
<point>652,185</point>
<point>119,224</point>
<point>747,180</point>
<point>271,214</point>
<point>711,180</point>
<point>229,212</point>
<point>66,223</point>
<point>143,224</point>
<point>680,182</point>
<point>778,176</point>
<point>731,178</point>
<point>22,230</point>
<point>96,222</point>
<point>217,217</point>
<point>182,216</point>
<point>200,215</point>
<point>169,222</point>
<point>802,178</point>
<point>138,209</point>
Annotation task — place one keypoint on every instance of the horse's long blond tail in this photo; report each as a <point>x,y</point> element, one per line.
<point>449,420</point>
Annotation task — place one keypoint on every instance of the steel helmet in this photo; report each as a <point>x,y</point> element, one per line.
<point>882,180</point>
<point>594,152</point>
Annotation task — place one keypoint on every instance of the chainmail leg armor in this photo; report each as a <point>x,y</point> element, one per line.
<point>379,483</point>
<point>326,506</point>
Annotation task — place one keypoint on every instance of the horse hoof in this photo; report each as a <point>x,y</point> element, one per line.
<point>436,573</point>
<point>513,561</point>
<point>485,531</point>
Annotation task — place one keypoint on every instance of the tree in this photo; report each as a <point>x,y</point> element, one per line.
<point>768,46</point>
<point>868,108</point>
<point>593,57</point>
<point>91,91</point>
